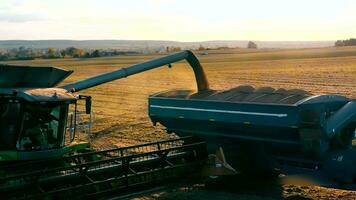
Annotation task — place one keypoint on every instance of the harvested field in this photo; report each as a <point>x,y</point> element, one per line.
<point>121,106</point>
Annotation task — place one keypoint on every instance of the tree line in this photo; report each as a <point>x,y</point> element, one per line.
<point>26,53</point>
<point>349,42</point>
<point>23,53</point>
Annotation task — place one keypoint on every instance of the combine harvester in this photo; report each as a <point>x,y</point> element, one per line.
<point>259,130</point>
<point>40,158</point>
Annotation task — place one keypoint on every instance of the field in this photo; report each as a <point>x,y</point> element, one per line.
<point>121,106</point>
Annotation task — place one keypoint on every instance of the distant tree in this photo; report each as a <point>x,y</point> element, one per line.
<point>87,55</point>
<point>349,42</point>
<point>78,53</point>
<point>251,45</point>
<point>339,43</point>
<point>52,53</point>
<point>70,51</point>
<point>95,54</point>
<point>3,56</point>
<point>173,49</point>
<point>23,53</point>
<point>63,53</point>
<point>22,49</point>
<point>74,52</point>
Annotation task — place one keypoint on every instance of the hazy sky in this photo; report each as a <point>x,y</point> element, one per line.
<point>181,20</point>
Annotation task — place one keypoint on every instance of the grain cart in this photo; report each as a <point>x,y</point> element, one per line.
<point>266,130</point>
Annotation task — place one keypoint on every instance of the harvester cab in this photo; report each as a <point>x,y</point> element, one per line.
<point>34,115</point>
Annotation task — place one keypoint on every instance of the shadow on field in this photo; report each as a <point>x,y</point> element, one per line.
<point>236,187</point>
<point>247,185</point>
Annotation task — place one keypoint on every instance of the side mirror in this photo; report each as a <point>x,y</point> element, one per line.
<point>88,105</point>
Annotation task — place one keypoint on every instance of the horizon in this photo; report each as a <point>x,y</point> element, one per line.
<point>213,40</point>
<point>179,21</point>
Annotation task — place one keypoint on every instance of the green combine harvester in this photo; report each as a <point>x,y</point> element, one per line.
<point>262,131</point>
<point>40,158</point>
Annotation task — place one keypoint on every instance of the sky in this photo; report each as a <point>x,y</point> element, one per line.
<point>178,20</point>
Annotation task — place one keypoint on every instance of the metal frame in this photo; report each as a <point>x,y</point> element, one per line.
<point>100,172</point>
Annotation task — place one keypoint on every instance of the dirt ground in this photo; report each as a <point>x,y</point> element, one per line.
<point>120,107</point>
<point>251,189</point>
<point>241,189</point>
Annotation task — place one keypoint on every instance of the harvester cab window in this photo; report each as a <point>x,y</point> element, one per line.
<point>41,127</point>
<point>9,120</point>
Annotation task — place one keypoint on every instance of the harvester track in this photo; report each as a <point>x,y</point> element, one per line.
<point>102,173</point>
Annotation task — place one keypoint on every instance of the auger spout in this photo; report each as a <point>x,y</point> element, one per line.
<point>202,82</point>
